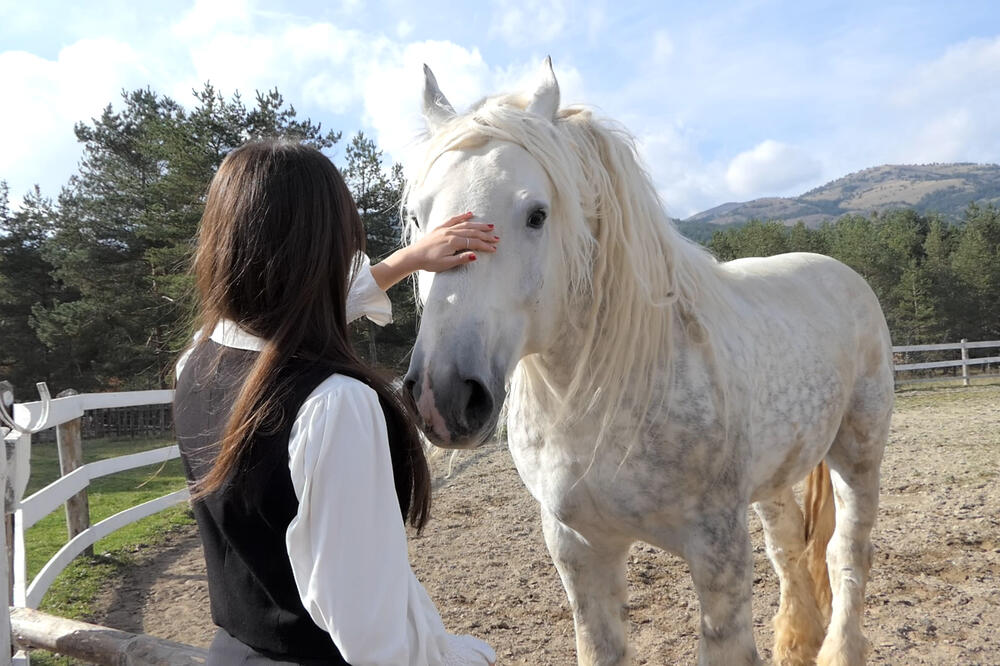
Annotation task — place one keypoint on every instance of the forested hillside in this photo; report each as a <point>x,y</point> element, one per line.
<point>94,285</point>
<point>936,281</point>
<point>943,189</point>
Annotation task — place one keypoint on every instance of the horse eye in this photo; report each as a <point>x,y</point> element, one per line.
<point>536,219</point>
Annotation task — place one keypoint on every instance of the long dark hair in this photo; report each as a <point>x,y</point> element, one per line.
<point>279,237</point>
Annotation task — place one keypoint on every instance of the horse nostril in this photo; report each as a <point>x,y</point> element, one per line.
<point>479,407</point>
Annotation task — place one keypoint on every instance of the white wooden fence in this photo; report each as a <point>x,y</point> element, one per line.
<point>32,417</point>
<point>964,361</point>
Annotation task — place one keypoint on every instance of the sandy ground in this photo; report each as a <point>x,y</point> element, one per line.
<point>934,597</point>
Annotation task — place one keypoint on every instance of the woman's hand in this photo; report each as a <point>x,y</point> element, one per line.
<point>451,244</point>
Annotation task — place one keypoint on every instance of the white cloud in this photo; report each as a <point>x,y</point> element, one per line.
<point>525,75</point>
<point>403,29</point>
<point>946,110</point>
<point>770,168</point>
<point>686,184</point>
<point>950,134</point>
<point>313,64</point>
<point>209,16</point>
<point>596,23</point>
<point>36,133</point>
<point>392,85</point>
<point>663,47</point>
<point>240,61</point>
<point>967,70</point>
<point>529,23</point>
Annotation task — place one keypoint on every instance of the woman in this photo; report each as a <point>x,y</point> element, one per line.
<point>302,460</point>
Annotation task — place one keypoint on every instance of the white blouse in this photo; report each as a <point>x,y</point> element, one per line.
<point>347,542</point>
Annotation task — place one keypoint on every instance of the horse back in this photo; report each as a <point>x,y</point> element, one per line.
<point>806,299</point>
<point>811,338</point>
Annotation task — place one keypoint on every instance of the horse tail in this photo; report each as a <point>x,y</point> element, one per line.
<point>820,516</point>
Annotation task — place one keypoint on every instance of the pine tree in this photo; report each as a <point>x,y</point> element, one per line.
<point>947,304</point>
<point>25,284</point>
<point>803,239</point>
<point>126,224</point>
<point>377,193</point>
<point>913,319</point>
<point>755,239</point>
<point>976,262</point>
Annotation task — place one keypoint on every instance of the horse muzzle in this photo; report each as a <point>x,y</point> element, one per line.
<point>458,410</point>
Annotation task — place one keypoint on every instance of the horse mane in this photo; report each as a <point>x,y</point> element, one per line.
<point>627,271</point>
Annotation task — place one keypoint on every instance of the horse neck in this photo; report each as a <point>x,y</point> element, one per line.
<point>696,317</point>
<point>546,376</point>
<point>542,377</point>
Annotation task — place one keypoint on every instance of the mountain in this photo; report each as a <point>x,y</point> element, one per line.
<point>942,188</point>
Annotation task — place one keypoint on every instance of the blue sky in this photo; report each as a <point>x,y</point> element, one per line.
<point>727,100</point>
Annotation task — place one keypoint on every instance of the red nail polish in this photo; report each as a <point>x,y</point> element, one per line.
<point>472,257</point>
<point>496,238</point>
<point>490,226</point>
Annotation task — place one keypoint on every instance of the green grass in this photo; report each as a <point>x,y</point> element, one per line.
<point>948,382</point>
<point>925,395</point>
<point>75,591</point>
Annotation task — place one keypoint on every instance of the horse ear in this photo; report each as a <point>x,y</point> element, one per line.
<point>545,100</point>
<point>437,109</point>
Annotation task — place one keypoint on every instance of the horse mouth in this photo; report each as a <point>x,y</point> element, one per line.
<point>459,440</point>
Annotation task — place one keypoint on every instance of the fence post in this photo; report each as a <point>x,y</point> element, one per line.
<point>965,362</point>
<point>70,457</point>
<point>7,396</point>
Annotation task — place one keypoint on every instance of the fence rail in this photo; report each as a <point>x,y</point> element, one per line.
<point>67,408</point>
<point>125,422</point>
<point>964,362</point>
<point>32,596</point>
<point>66,412</point>
<point>96,644</point>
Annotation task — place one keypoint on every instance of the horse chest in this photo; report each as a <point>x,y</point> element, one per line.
<point>662,482</point>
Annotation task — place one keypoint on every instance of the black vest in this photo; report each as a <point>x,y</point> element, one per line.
<point>243,525</point>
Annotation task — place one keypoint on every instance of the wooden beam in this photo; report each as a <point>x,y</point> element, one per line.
<point>96,644</point>
<point>965,362</point>
<point>70,444</point>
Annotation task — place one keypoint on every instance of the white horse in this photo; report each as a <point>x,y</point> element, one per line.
<point>651,392</point>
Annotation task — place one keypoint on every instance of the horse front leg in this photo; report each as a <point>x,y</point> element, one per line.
<point>718,554</point>
<point>593,572</point>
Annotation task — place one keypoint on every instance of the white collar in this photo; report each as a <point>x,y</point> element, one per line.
<point>228,334</point>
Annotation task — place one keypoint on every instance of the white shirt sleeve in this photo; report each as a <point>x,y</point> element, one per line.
<point>365,298</point>
<point>347,542</point>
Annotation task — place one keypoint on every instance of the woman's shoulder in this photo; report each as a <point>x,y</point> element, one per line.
<point>338,386</point>
<point>337,412</point>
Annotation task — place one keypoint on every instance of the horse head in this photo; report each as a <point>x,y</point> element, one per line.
<point>576,297</point>
<point>480,320</point>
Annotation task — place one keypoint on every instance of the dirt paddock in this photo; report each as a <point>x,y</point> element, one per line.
<point>933,597</point>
